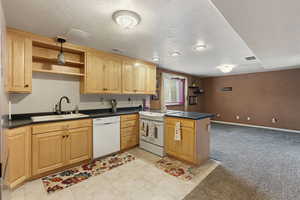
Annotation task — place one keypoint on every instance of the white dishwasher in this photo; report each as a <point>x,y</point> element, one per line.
<point>106,136</point>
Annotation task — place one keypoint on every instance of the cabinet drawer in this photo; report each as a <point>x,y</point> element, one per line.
<point>129,117</point>
<point>183,122</point>
<point>132,123</point>
<point>129,131</point>
<point>79,123</point>
<point>58,126</point>
<point>128,141</point>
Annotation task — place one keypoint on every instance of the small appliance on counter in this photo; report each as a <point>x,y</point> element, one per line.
<point>114,105</point>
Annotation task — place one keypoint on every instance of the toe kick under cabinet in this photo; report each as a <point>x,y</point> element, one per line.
<point>56,145</point>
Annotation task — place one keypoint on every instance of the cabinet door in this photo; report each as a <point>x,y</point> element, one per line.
<point>78,146</point>
<point>48,151</point>
<point>171,146</point>
<point>187,144</point>
<point>113,75</point>
<point>151,80</point>
<point>18,144</point>
<point>19,64</point>
<point>94,82</point>
<point>140,72</point>
<point>128,77</point>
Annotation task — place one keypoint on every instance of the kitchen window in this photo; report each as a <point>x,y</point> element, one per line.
<point>174,91</point>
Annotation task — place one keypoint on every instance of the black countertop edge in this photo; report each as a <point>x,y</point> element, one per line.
<point>20,120</point>
<point>190,115</point>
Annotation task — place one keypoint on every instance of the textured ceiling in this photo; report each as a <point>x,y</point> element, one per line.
<point>166,26</point>
<point>271,28</point>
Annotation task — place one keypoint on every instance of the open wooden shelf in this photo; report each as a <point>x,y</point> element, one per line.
<point>54,61</point>
<point>57,72</point>
<point>44,59</point>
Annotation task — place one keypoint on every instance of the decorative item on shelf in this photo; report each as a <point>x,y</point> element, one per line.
<point>61,56</point>
<point>199,91</point>
<point>196,90</point>
<point>193,100</point>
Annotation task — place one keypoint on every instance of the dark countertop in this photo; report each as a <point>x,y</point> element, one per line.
<point>189,115</point>
<point>20,120</point>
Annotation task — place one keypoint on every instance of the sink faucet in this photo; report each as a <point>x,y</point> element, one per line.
<point>58,106</point>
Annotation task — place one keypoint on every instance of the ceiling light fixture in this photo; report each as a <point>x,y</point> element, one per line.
<point>155,59</point>
<point>226,68</point>
<point>199,47</point>
<point>175,53</point>
<point>126,19</point>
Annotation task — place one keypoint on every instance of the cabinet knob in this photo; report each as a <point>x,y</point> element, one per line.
<point>26,85</point>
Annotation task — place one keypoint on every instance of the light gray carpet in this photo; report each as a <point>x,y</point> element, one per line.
<point>257,164</point>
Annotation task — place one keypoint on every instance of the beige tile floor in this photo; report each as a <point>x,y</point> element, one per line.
<point>138,179</point>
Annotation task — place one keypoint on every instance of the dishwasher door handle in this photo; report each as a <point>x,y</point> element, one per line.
<point>108,123</point>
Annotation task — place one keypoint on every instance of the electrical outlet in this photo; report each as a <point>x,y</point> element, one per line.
<point>237,117</point>
<point>274,120</point>
<point>248,118</point>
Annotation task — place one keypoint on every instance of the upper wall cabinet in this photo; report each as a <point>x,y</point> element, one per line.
<point>138,78</point>
<point>100,72</point>
<point>18,63</point>
<point>103,74</point>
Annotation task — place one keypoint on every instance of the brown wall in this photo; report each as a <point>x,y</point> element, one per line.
<point>260,96</point>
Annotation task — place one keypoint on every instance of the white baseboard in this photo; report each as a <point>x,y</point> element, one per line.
<point>254,126</point>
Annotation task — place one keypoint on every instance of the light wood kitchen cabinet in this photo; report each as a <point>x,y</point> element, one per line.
<point>151,80</point>
<point>138,78</point>
<point>187,144</point>
<point>48,151</point>
<point>78,145</point>
<point>129,77</point>
<point>19,63</point>
<point>59,144</point>
<point>171,146</point>
<point>113,75</point>
<point>18,149</point>
<point>194,144</point>
<point>93,81</point>
<point>129,131</point>
<point>103,74</point>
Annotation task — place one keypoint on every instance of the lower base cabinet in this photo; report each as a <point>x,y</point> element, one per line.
<point>48,151</point>
<point>17,156</point>
<point>35,150</point>
<point>60,148</point>
<point>193,146</point>
<point>129,131</point>
<point>79,145</point>
<point>185,148</point>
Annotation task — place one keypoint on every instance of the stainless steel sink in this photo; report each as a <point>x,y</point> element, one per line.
<point>56,117</point>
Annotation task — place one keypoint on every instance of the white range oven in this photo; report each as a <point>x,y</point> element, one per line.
<point>152,132</point>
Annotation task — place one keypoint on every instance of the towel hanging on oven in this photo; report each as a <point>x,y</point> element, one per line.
<point>177,135</point>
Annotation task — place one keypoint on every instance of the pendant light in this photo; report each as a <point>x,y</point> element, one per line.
<point>61,56</point>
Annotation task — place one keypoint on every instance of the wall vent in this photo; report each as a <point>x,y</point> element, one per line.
<point>226,89</point>
<point>250,58</point>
